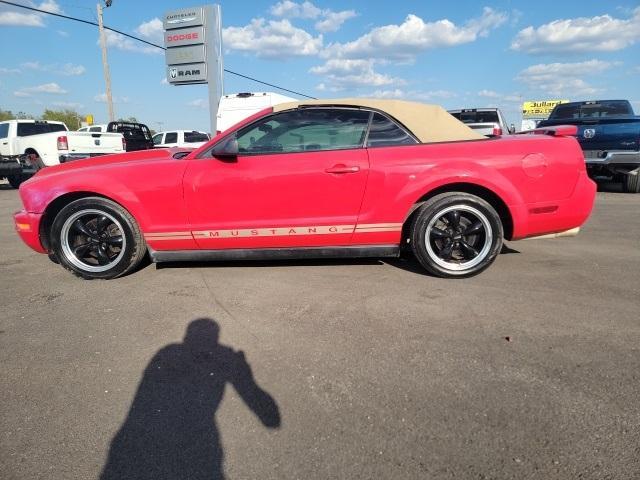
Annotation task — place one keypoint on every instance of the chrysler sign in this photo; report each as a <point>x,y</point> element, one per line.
<point>193,53</point>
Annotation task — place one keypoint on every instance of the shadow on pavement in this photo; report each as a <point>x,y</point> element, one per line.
<point>170,431</point>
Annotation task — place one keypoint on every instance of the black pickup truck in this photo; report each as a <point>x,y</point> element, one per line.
<point>609,134</point>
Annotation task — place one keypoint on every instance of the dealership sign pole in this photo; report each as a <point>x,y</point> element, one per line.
<point>193,38</point>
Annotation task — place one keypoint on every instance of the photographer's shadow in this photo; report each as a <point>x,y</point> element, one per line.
<point>170,431</point>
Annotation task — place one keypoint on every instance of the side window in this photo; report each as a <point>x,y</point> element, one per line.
<point>385,133</point>
<point>305,130</point>
<point>171,137</point>
<point>157,139</point>
<point>4,130</point>
<point>83,129</point>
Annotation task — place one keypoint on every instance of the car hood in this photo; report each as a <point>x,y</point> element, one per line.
<point>105,160</point>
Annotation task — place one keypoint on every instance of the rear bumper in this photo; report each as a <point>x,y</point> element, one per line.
<point>621,157</point>
<point>558,216</point>
<point>68,157</point>
<point>28,227</point>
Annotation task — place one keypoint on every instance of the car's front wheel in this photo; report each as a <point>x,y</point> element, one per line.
<point>96,238</point>
<point>456,235</point>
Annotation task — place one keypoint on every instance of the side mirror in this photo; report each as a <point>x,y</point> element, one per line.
<point>227,149</point>
<point>512,128</point>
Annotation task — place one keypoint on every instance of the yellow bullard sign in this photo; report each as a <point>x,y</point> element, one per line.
<point>540,109</point>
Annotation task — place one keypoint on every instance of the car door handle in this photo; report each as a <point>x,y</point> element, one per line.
<point>342,168</point>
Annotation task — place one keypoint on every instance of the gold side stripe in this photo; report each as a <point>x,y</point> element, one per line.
<point>378,225</point>
<point>166,234</point>
<point>177,237</point>
<point>374,230</point>
<point>275,232</point>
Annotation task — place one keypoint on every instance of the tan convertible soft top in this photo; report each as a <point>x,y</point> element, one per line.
<point>429,123</point>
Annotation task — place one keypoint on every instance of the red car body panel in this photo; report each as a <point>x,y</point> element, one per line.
<point>309,200</point>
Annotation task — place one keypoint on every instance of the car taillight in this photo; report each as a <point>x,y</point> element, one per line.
<point>63,144</point>
<point>124,145</point>
<point>497,131</point>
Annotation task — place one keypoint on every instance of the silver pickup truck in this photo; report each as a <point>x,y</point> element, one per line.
<point>485,121</point>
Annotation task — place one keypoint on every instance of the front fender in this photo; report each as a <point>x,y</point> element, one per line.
<point>38,193</point>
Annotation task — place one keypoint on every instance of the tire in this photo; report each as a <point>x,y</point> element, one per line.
<point>438,236</point>
<point>631,181</point>
<point>16,180</point>
<point>96,238</point>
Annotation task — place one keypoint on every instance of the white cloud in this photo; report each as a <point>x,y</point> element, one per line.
<point>72,105</point>
<point>102,98</point>
<point>199,103</point>
<point>67,69</point>
<point>402,42</point>
<point>327,19</point>
<point>564,78</point>
<point>602,33</point>
<point>164,81</point>
<point>22,18</point>
<point>413,95</point>
<point>333,20</point>
<point>272,39</point>
<point>151,30</point>
<point>9,70</point>
<point>62,33</point>
<point>49,88</point>
<point>500,97</point>
<point>290,9</point>
<point>341,73</point>
<point>120,42</point>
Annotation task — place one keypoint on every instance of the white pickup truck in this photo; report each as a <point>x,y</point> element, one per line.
<point>35,144</point>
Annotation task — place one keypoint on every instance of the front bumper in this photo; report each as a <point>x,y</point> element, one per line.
<point>28,227</point>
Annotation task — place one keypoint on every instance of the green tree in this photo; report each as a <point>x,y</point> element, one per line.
<point>6,115</point>
<point>71,118</point>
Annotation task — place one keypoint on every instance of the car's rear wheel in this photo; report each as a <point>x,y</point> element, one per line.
<point>96,238</point>
<point>456,235</point>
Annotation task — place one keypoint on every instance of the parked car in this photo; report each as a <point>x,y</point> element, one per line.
<point>609,134</point>
<point>136,135</point>
<point>485,121</point>
<point>180,138</point>
<point>335,178</point>
<point>35,144</point>
<point>236,107</point>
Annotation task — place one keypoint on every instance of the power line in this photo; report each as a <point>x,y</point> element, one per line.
<point>133,37</point>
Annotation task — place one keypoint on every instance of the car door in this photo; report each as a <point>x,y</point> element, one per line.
<point>157,139</point>
<point>298,181</point>
<point>170,139</point>
<point>5,148</point>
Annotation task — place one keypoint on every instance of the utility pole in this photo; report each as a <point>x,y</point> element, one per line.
<point>105,64</point>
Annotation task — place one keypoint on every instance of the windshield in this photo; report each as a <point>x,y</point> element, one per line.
<point>28,129</point>
<point>474,116</point>
<point>591,110</point>
<point>194,137</point>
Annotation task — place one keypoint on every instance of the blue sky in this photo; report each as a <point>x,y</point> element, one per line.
<point>457,54</point>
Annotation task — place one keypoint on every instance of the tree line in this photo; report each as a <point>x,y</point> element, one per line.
<point>72,119</point>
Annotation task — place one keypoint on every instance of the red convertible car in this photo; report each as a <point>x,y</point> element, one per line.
<point>332,178</point>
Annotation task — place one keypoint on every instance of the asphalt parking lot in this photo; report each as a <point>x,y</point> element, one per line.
<point>357,369</point>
